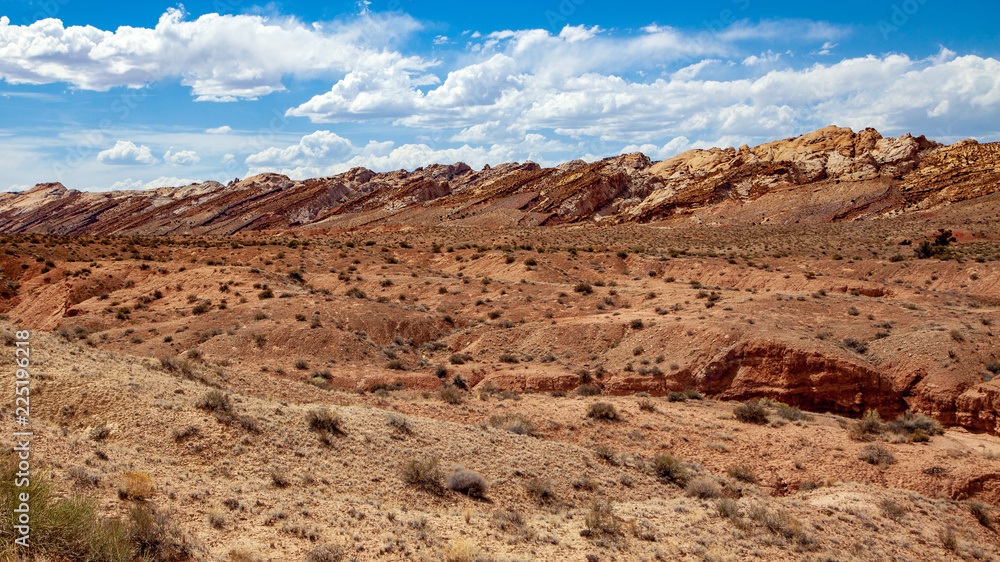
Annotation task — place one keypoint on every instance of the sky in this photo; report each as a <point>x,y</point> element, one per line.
<point>103,96</point>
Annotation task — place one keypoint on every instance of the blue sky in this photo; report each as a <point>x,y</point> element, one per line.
<point>140,95</point>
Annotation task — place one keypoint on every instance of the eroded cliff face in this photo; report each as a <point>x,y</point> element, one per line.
<point>827,175</point>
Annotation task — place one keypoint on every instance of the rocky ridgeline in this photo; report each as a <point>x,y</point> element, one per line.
<point>628,188</point>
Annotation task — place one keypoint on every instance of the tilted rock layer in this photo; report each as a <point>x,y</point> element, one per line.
<point>828,175</point>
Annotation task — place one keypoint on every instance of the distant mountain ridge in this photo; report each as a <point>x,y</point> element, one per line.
<point>832,174</point>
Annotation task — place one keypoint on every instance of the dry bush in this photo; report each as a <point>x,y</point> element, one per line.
<point>601,520</point>
<point>870,423</point>
<point>670,468</point>
<point>647,405</point>
<point>514,423</point>
<point>424,474</point>
<point>587,390</point>
<point>603,411</point>
<point>468,482</point>
<point>877,454</point>
<point>751,411</point>
<point>981,511</point>
<point>325,553</point>
<point>892,510</point>
<point>910,424</point>
<point>136,486</point>
<point>461,550</point>
<point>451,394</point>
<point>703,487</point>
<point>542,490</point>
<point>325,420</point>
<point>727,507</point>
<point>743,473</point>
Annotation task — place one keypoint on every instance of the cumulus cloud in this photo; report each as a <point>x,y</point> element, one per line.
<point>181,158</point>
<point>221,57</point>
<point>752,97</point>
<point>126,153</point>
<point>324,153</point>
<point>131,184</point>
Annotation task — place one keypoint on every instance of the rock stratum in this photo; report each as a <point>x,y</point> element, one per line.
<point>829,175</point>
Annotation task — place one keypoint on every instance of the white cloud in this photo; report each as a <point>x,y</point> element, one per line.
<point>126,153</point>
<point>221,57</point>
<point>131,184</point>
<point>181,158</point>
<point>225,129</point>
<point>518,92</point>
<point>312,149</point>
<point>313,155</point>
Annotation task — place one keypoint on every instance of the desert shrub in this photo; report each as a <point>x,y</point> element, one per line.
<point>743,473</point>
<point>541,489</point>
<point>215,401</point>
<point>670,468</point>
<point>584,288</point>
<point>325,553</point>
<point>461,550</point>
<point>451,394</point>
<point>693,394</point>
<point>424,474</point>
<point>751,411</point>
<point>870,423</point>
<point>981,512</point>
<point>703,487</point>
<point>399,422</point>
<point>508,358</point>
<point>909,423</point>
<point>606,452</point>
<point>647,405</point>
<point>156,537</point>
<point>993,366</point>
<point>459,358</point>
<point>949,538</point>
<point>779,522</point>
<point>514,423</point>
<point>468,482</point>
<point>727,507</point>
<point>636,324</point>
<point>186,433</point>
<point>601,520</point>
<point>877,454</point>
<point>892,509</point>
<point>855,344</point>
<point>301,364</point>
<point>325,420</point>
<point>587,390</point>
<point>136,486</point>
<point>792,413</point>
<point>603,411</point>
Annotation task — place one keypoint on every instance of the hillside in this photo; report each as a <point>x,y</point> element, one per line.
<point>829,175</point>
